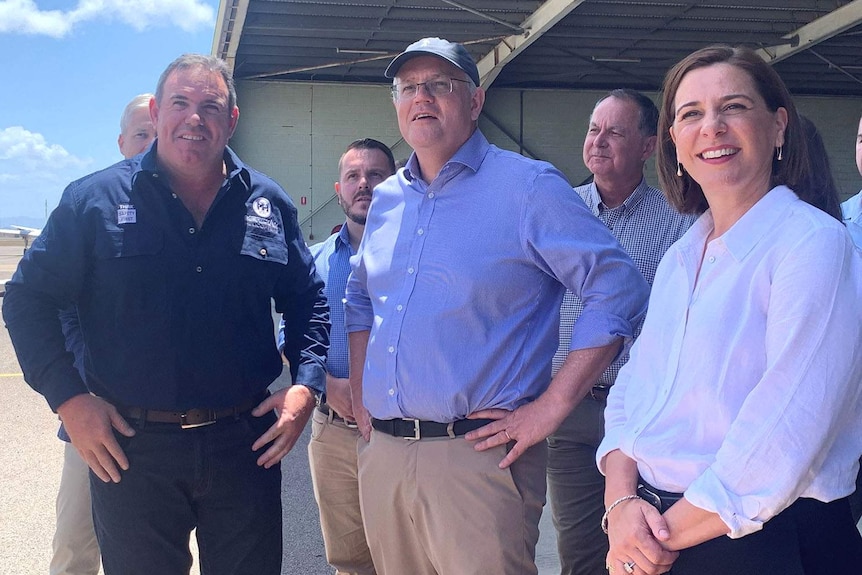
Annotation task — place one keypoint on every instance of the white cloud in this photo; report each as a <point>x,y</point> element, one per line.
<point>34,172</point>
<point>29,150</point>
<point>25,17</point>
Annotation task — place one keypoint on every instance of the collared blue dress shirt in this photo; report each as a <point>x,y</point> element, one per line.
<point>460,280</point>
<point>332,259</point>
<point>173,316</point>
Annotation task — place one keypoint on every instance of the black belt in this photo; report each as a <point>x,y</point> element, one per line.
<point>661,500</point>
<point>416,429</point>
<point>600,392</point>
<point>190,418</point>
<point>333,416</point>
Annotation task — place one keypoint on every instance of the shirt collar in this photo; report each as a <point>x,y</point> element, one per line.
<point>235,166</point>
<point>595,200</point>
<point>343,237</point>
<point>470,154</point>
<point>754,224</point>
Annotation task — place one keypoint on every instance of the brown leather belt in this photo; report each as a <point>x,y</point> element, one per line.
<point>333,416</point>
<point>190,418</point>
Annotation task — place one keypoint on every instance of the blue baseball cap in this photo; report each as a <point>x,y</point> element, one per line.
<point>457,54</point>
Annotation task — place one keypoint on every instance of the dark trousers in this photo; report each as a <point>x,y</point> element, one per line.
<point>807,538</point>
<point>181,479</point>
<point>856,497</point>
<point>577,490</point>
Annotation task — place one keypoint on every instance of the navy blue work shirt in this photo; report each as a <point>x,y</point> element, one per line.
<point>173,316</point>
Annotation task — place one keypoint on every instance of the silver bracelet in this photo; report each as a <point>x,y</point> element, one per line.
<point>611,508</point>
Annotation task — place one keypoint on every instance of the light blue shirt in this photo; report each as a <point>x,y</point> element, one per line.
<point>332,260</point>
<point>852,210</point>
<point>460,281</point>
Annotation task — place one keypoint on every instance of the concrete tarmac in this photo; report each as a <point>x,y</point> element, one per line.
<point>31,459</point>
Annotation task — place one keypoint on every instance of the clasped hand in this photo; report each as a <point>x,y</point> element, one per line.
<point>636,532</point>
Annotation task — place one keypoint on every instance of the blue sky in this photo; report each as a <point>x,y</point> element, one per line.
<point>70,67</point>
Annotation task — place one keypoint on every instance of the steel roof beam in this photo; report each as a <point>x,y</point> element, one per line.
<point>824,28</point>
<point>534,26</point>
<point>228,31</point>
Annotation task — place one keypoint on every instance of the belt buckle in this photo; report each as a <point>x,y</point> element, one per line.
<point>350,424</point>
<point>184,424</point>
<point>416,433</point>
<point>649,496</point>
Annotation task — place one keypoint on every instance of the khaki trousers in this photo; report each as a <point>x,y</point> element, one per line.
<point>439,507</point>
<point>332,458</point>
<point>76,551</point>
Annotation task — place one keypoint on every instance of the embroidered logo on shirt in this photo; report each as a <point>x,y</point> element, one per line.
<point>262,207</point>
<point>126,214</point>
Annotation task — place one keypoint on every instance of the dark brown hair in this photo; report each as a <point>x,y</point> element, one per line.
<point>683,192</point>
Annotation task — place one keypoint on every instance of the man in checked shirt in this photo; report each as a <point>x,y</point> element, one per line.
<point>620,138</point>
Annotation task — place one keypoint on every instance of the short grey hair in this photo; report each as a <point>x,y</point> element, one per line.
<point>209,63</point>
<point>139,101</point>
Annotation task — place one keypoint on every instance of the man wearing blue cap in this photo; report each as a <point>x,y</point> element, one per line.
<point>452,312</point>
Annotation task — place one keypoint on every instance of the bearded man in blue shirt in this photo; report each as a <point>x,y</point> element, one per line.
<point>452,312</point>
<point>172,259</point>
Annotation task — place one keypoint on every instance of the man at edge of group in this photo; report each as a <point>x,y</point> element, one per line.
<point>621,137</point>
<point>75,549</point>
<point>334,435</point>
<point>452,313</point>
<point>852,212</point>
<point>172,260</point>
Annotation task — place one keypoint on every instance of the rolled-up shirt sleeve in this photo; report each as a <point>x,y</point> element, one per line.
<point>613,291</point>
<point>358,312</point>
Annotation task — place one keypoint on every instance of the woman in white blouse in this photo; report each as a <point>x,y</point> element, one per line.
<point>740,410</point>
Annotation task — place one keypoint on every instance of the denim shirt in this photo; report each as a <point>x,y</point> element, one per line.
<point>173,316</point>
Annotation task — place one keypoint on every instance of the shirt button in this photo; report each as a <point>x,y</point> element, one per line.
<point>399,307</point>
<point>262,252</point>
<point>430,194</point>
<point>391,349</point>
<point>191,230</point>
<point>420,231</point>
<point>199,269</point>
<point>410,270</point>
<point>712,259</point>
<point>391,392</point>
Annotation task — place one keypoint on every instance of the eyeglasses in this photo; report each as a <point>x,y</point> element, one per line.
<point>434,88</point>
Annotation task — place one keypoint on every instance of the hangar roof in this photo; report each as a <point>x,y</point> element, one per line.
<point>816,45</point>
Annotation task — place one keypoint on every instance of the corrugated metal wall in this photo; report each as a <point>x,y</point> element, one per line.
<point>296,133</point>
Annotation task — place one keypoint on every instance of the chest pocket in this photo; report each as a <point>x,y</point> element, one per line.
<point>129,241</point>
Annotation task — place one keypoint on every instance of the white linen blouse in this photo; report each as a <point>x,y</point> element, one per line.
<point>743,390</point>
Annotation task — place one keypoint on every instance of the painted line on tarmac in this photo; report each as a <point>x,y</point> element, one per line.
<point>11,375</point>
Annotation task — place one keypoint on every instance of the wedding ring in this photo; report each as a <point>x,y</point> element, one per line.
<point>629,567</point>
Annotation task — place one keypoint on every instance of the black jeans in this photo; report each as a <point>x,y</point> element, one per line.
<point>178,480</point>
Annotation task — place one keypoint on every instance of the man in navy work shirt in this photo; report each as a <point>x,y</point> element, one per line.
<point>452,313</point>
<point>172,259</point>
